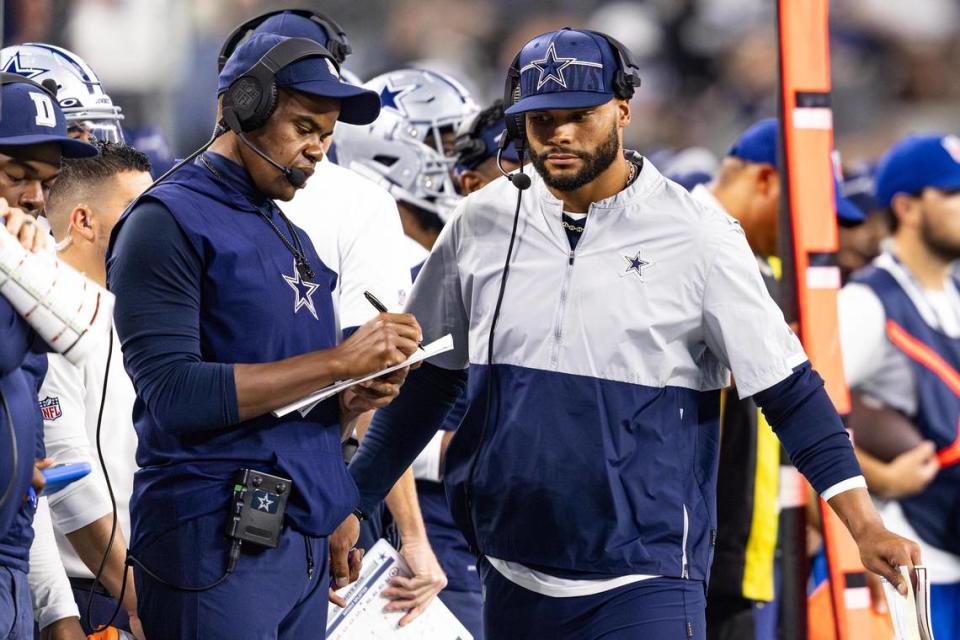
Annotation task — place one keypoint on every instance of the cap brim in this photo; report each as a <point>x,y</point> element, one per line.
<point>949,181</point>
<point>357,105</point>
<point>559,100</point>
<point>849,213</point>
<point>69,148</point>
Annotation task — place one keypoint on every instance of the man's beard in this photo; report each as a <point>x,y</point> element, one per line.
<point>943,249</point>
<point>594,164</point>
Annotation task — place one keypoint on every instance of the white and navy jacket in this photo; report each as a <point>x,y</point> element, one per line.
<point>600,451</point>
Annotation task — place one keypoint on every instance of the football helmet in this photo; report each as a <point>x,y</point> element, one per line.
<point>85,104</point>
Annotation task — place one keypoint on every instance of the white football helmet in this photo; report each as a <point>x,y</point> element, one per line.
<point>389,153</point>
<point>432,103</point>
<point>81,96</point>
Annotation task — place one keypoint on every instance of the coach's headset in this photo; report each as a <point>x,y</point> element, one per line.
<point>251,99</point>
<point>337,42</point>
<point>625,82</point>
<point>469,145</point>
<point>49,85</point>
<point>248,103</point>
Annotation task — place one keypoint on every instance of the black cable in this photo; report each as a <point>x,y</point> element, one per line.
<point>490,336</point>
<point>231,565</point>
<point>13,448</point>
<point>113,501</point>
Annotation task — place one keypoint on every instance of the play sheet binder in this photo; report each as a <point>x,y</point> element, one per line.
<point>306,404</point>
<point>911,613</point>
<point>364,618</point>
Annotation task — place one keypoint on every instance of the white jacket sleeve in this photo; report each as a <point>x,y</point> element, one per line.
<point>65,438</point>
<point>49,587</point>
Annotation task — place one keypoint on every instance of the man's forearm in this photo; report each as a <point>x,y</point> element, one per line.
<point>405,508</point>
<point>90,542</point>
<point>400,430</point>
<point>402,499</point>
<point>263,387</point>
<point>856,511</point>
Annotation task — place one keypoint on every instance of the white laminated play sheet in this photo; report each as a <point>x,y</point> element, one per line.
<point>364,618</point>
<point>306,404</point>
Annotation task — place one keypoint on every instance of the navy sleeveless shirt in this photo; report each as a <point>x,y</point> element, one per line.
<point>253,308</point>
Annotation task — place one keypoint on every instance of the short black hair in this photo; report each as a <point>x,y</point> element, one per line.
<point>112,158</point>
<point>86,173</point>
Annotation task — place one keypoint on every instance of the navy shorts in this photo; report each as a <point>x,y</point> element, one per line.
<point>661,608</point>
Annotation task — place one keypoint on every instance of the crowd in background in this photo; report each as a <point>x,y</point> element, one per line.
<point>709,66</point>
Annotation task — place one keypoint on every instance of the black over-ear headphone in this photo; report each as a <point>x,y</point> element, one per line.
<point>625,82</point>
<point>337,43</point>
<point>49,85</point>
<point>469,147</point>
<point>249,101</point>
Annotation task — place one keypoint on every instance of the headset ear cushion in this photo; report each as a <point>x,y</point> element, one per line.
<point>251,101</point>
<point>268,102</point>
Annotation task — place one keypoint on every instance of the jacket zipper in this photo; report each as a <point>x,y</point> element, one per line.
<point>685,570</point>
<point>564,292</point>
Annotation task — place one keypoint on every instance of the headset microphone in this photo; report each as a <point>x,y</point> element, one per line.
<point>294,176</point>
<point>520,180</point>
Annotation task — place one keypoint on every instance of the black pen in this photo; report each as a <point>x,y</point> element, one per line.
<point>372,299</point>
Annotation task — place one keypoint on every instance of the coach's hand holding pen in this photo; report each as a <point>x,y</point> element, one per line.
<point>379,306</point>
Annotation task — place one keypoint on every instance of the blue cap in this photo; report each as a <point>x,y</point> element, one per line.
<point>490,137</point>
<point>859,188</point>
<point>566,69</point>
<point>31,116</point>
<point>917,162</point>
<point>848,213</point>
<point>291,25</point>
<point>758,144</point>
<point>316,76</point>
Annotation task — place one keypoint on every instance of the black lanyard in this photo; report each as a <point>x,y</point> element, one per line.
<point>295,248</point>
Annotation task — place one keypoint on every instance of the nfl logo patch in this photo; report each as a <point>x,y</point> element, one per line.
<point>50,408</point>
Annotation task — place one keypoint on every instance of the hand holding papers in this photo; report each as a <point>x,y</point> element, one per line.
<point>307,403</point>
<point>363,618</point>
<point>911,613</point>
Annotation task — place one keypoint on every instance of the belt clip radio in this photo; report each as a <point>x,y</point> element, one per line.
<point>257,507</point>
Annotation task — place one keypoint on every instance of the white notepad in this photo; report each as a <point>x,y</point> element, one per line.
<point>910,613</point>
<point>306,404</point>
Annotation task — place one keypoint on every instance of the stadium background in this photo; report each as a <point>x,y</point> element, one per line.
<point>709,65</point>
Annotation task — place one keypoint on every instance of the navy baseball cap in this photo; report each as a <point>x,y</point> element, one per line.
<point>489,135</point>
<point>566,69</point>
<point>291,25</point>
<point>31,116</point>
<point>758,144</point>
<point>316,76</point>
<point>859,188</point>
<point>918,162</point>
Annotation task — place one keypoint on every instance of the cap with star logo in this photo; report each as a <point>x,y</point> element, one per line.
<point>566,69</point>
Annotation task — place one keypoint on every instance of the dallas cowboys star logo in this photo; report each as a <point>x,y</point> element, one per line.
<point>265,502</point>
<point>635,264</point>
<point>15,66</point>
<point>551,67</point>
<point>303,292</point>
<point>391,96</point>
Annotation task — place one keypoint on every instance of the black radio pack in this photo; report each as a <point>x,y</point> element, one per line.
<point>257,508</point>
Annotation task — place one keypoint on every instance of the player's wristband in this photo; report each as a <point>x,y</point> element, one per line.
<point>361,516</point>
